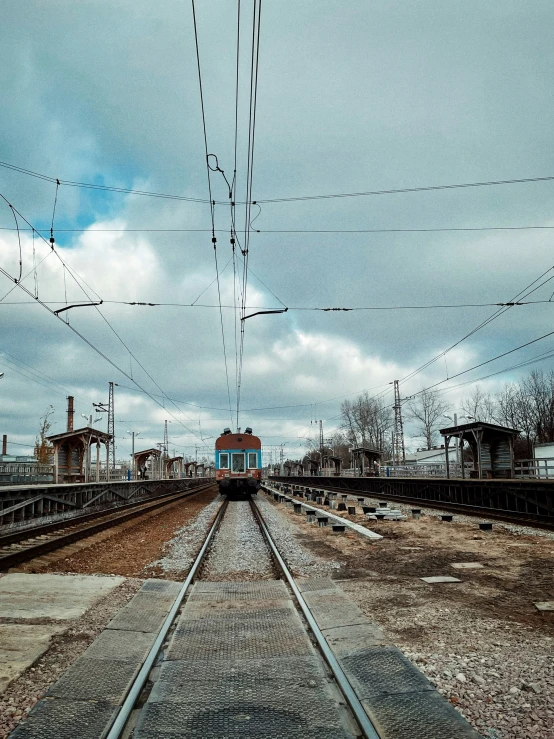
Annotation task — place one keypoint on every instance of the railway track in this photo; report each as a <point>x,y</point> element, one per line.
<point>513,517</point>
<point>21,546</point>
<point>219,655</point>
<point>135,696</point>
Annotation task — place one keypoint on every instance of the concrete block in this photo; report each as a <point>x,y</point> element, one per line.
<point>440,578</point>
<point>21,645</point>
<point>467,565</point>
<point>545,605</point>
<point>60,597</point>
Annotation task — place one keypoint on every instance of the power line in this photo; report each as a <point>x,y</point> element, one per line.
<point>211,201</point>
<point>392,191</point>
<point>254,67</point>
<point>507,306</point>
<point>145,304</point>
<point>292,231</point>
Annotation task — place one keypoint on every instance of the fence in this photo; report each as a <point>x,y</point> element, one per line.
<point>25,473</point>
<point>535,469</point>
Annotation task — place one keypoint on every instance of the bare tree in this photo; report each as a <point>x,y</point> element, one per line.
<point>426,413</point>
<point>43,449</point>
<point>365,420</point>
<point>480,405</point>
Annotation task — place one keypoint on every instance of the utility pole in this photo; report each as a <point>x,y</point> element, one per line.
<point>321,447</point>
<point>111,430</point>
<point>399,450</point>
<point>110,446</point>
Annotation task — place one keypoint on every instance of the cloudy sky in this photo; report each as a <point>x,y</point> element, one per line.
<point>353,97</point>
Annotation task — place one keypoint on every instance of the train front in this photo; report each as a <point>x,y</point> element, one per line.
<point>238,463</point>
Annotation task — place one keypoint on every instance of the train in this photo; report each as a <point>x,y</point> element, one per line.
<point>238,463</point>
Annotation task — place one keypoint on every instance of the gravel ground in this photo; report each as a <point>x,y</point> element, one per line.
<point>179,552</point>
<point>475,520</point>
<point>499,675</point>
<point>302,561</point>
<point>128,549</point>
<point>238,551</point>
<point>22,694</point>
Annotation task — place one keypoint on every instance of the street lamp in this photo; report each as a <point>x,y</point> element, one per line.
<point>133,434</point>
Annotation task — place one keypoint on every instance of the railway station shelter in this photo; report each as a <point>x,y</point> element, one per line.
<point>73,451</point>
<point>492,448</point>
<point>190,469</point>
<point>313,466</point>
<point>141,460</point>
<point>174,467</point>
<point>366,459</point>
<point>334,463</point>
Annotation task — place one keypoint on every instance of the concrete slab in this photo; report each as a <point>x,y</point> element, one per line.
<point>344,640</point>
<point>59,597</point>
<point>20,646</point>
<point>545,605</point>
<point>440,578</point>
<point>467,565</point>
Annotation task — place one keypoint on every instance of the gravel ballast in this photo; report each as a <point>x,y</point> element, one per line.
<point>238,551</point>
<point>22,694</point>
<point>302,561</point>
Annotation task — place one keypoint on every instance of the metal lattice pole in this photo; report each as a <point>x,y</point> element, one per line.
<point>111,430</point>
<point>399,451</point>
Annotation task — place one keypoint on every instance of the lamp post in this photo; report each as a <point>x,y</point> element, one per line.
<point>133,465</point>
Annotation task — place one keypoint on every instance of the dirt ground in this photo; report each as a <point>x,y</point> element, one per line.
<point>127,549</point>
<point>481,641</point>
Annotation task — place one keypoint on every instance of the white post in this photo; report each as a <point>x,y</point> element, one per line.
<point>97,461</point>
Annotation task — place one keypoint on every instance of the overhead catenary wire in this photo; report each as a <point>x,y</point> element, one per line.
<point>253,100</point>
<point>212,204</point>
<point>507,306</point>
<point>298,198</point>
<point>80,282</point>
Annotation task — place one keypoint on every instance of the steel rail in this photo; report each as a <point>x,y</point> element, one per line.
<point>515,518</point>
<point>22,555</point>
<point>29,532</point>
<point>140,680</point>
<point>361,716</point>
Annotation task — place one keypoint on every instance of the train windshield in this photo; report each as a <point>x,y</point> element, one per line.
<point>223,461</point>
<point>238,462</point>
<point>252,460</point>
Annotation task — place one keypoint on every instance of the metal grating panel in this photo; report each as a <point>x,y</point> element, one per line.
<point>383,670</point>
<point>123,646</point>
<point>135,618</point>
<point>176,677</point>
<point>231,622</point>
<point>256,642</point>
<point>349,639</point>
<point>417,716</point>
<point>316,583</point>
<point>269,590</point>
<point>239,720</point>
<point>167,587</point>
<point>96,679</point>
<point>58,719</point>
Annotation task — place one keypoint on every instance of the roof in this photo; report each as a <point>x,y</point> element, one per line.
<point>153,452</point>
<point>86,431</point>
<point>370,449</point>
<point>463,427</point>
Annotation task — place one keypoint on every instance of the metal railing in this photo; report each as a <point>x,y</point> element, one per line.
<point>25,473</point>
<point>535,469</point>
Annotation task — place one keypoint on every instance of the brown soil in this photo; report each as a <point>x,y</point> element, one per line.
<point>127,549</point>
<point>517,569</point>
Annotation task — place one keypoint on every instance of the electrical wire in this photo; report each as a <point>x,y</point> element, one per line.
<point>488,320</point>
<point>393,191</point>
<point>211,201</point>
<point>294,231</point>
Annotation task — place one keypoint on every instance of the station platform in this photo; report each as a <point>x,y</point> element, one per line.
<point>240,663</point>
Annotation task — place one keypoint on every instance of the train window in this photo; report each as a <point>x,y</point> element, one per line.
<point>223,461</point>
<point>252,460</point>
<point>238,462</point>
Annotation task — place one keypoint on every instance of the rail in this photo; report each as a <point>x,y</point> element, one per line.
<point>519,501</point>
<point>21,504</point>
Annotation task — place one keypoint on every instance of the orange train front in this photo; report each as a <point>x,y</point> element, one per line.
<point>238,462</point>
